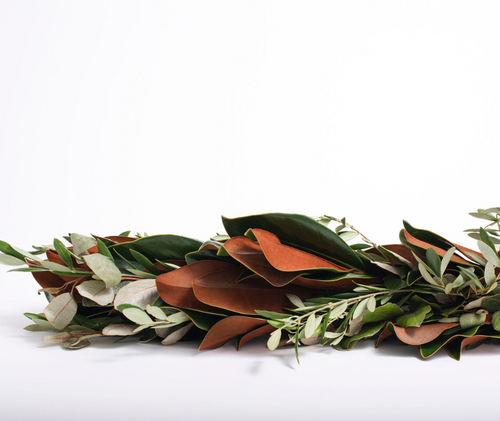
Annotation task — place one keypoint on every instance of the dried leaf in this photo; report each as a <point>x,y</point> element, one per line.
<point>177,335</point>
<point>119,330</point>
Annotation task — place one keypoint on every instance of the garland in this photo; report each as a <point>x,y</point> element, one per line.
<point>283,275</point>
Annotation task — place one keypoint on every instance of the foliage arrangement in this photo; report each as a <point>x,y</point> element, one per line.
<point>287,276</point>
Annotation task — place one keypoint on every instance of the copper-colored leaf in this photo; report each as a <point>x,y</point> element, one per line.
<point>264,330</point>
<point>229,328</point>
<point>423,245</point>
<point>220,289</point>
<point>422,334</point>
<point>250,254</point>
<point>176,287</point>
<point>289,259</point>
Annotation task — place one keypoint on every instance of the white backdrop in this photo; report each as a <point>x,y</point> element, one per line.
<point>160,116</point>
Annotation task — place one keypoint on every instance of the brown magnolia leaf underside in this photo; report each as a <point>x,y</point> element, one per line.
<point>176,287</point>
<point>416,335</point>
<point>289,259</point>
<point>264,330</point>
<point>228,328</point>
<point>220,289</point>
<point>422,244</point>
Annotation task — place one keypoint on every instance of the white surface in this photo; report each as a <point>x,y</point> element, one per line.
<point>161,116</point>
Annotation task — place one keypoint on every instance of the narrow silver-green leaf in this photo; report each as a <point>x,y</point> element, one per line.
<point>360,308</point>
<point>371,304</point>
<point>490,255</point>
<point>489,274</point>
<point>296,301</point>
<point>274,340</point>
<point>156,312</point>
<point>63,253</point>
<point>310,326</point>
<point>446,259</point>
<point>5,259</point>
<point>427,276</point>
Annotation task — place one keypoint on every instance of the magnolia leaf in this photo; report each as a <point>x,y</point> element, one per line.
<point>139,293</point>
<point>104,268</point>
<point>490,255</point>
<point>5,259</point>
<point>137,316</point>
<point>177,335</point>
<point>274,340</point>
<point>119,330</point>
<point>97,292</point>
<point>495,321</point>
<point>81,243</point>
<point>414,319</point>
<point>61,310</point>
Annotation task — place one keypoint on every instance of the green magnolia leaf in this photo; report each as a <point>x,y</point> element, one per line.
<point>414,319</point>
<point>300,232</point>
<point>161,247</point>
<point>144,261</point>
<point>386,312</point>
<point>366,332</point>
<point>104,268</point>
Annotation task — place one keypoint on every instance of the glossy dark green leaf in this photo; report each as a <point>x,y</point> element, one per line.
<point>495,321</point>
<point>103,249</point>
<point>144,261</point>
<point>428,236</point>
<point>394,282</point>
<point>433,261</point>
<point>63,253</point>
<point>430,348</point>
<point>366,332</point>
<point>298,231</point>
<point>161,247</point>
<point>487,239</point>
<point>386,312</point>
<point>8,249</point>
<point>415,318</point>
<point>492,304</point>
